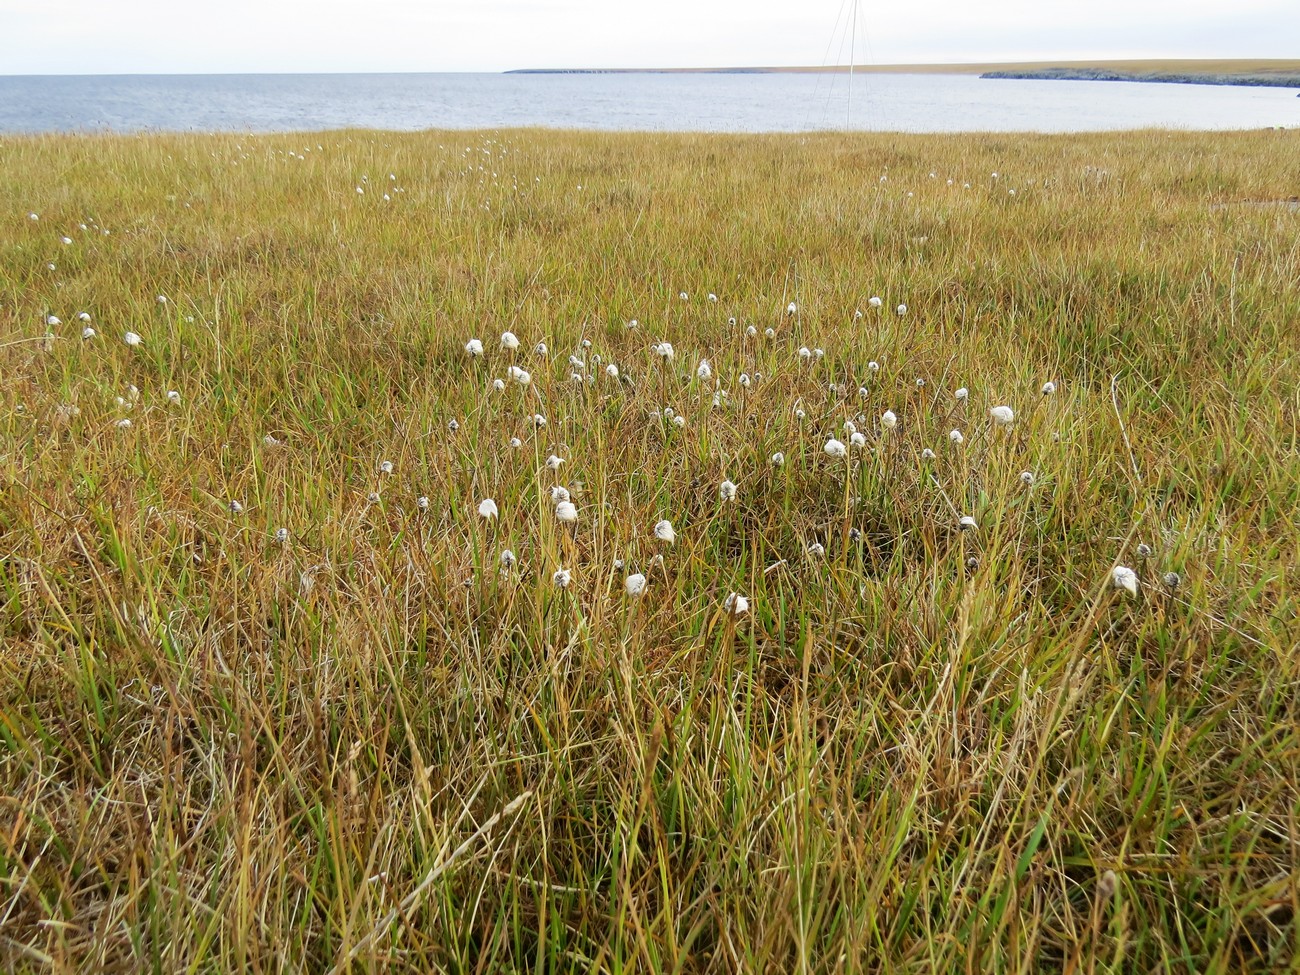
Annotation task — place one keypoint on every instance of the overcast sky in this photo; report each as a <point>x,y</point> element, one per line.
<point>148,36</point>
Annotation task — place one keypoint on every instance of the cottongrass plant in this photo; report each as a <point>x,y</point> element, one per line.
<point>820,726</point>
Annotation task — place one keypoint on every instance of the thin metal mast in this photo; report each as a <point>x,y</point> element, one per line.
<point>853,40</point>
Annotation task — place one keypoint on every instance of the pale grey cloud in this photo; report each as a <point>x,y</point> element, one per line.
<point>89,36</point>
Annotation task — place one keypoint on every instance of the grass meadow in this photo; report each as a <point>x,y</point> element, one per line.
<point>274,698</point>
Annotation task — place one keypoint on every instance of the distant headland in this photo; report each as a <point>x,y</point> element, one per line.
<point>1279,73</point>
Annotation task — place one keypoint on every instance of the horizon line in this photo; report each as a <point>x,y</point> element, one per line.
<point>900,66</point>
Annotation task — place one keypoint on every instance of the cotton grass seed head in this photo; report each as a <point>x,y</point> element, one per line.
<point>236,507</point>
<point>704,371</point>
<point>521,376</point>
<point>873,366</point>
<point>901,310</point>
<point>834,448</point>
<point>956,437</point>
<point>498,384</point>
<point>422,502</point>
<point>770,332</point>
<point>888,420</point>
<point>664,531</point>
<point>777,459</point>
<point>1049,388</point>
<point>966,523</point>
<point>1003,416</point>
<point>474,347</point>
<point>132,339</point>
<point>509,341</point>
<point>727,491</point>
<point>386,467</point>
<point>858,440</point>
<point>487,508</point>
<point>88,333</point>
<point>541,349</point>
<point>1027,478</point>
<point>635,585</point>
<point>1122,577</point>
<point>664,350</point>
<point>282,536</point>
<point>566,512</point>
<point>173,397</point>
<point>611,371</point>
<point>508,559</point>
<point>562,578</point>
<point>735,604</point>
<point>553,462</point>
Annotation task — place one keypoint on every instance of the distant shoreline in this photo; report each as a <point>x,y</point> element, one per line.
<point>1097,74</point>
<point>1279,73</point>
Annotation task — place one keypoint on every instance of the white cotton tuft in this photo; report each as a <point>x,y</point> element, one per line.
<point>736,604</point>
<point>1122,577</point>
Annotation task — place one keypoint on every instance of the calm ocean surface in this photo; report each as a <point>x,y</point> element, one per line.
<point>654,102</point>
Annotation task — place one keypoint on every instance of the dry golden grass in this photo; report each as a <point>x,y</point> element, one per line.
<point>369,747</point>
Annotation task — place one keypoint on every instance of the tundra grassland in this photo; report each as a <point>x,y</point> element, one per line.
<point>374,742</point>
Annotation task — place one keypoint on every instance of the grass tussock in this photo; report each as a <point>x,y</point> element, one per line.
<point>369,744</point>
